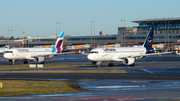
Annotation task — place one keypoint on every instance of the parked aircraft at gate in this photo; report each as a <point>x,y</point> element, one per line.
<point>3,49</point>
<point>37,54</point>
<point>126,54</point>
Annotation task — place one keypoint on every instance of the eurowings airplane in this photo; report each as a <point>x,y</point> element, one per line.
<point>37,54</point>
<point>126,54</point>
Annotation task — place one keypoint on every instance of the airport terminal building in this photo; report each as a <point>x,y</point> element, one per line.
<point>165,31</point>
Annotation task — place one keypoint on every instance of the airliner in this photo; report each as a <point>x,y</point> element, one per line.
<point>3,49</point>
<point>36,54</point>
<point>126,54</point>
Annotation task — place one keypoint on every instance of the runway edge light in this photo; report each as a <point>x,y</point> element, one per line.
<point>1,85</point>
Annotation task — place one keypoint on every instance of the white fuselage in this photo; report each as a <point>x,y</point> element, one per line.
<point>114,54</point>
<point>26,53</point>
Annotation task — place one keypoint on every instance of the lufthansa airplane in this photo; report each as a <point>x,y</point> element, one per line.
<point>126,54</point>
<point>37,54</point>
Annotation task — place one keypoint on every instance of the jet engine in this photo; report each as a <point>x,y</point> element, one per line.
<point>39,59</point>
<point>128,61</point>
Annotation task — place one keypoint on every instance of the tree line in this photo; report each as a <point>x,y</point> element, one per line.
<point>6,38</point>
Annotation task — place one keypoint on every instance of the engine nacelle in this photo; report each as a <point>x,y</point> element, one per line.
<point>128,61</point>
<point>39,59</point>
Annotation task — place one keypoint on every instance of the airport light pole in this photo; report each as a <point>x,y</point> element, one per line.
<point>8,36</point>
<point>56,28</point>
<point>91,31</point>
<point>94,33</point>
<point>22,39</point>
<point>59,27</point>
<point>165,31</point>
<point>12,35</point>
<point>121,32</point>
<point>168,32</point>
<point>124,33</point>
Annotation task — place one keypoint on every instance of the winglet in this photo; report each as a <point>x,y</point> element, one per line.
<point>149,40</point>
<point>57,48</point>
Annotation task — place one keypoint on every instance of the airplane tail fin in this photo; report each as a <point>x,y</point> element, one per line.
<point>149,40</point>
<point>58,47</point>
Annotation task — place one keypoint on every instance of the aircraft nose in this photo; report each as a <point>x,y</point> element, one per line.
<point>90,57</point>
<point>5,56</point>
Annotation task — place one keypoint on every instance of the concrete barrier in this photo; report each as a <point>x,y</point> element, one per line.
<point>39,65</point>
<point>32,65</point>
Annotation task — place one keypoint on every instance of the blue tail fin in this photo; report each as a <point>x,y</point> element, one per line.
<point>149,40</point>
<point>58,47</point>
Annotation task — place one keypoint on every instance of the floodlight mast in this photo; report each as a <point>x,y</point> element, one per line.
<point>23,39</point>
<point>8,36</point>
<point>91,31</point>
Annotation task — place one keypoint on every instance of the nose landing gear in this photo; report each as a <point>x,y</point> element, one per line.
<point>97,63</point>
<point>111,64</point>
<point>12,61</point>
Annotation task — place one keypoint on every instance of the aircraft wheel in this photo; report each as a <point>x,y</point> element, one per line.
<point>111,65</point>
<point>43,62</point>
<point>132,65</point>
<point>25,62</point>
<point>97,66</point>
<point>12,61</point>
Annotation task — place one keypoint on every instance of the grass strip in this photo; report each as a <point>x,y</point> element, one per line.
<point>69,71</point>
<point>44,66</point>
<point>27,87</point>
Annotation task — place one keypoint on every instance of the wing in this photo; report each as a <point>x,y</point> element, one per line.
<point>141,55</point>
<point>85,53</point>
<point>51,54</point>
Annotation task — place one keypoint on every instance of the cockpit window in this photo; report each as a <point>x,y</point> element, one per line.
<point>8,51</point>
<point>94,52</point>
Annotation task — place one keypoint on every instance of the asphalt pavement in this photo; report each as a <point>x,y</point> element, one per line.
<point>153,78</point>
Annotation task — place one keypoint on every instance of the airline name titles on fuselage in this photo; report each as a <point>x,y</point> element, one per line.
<point>109,49</point>
<point>23,50</point>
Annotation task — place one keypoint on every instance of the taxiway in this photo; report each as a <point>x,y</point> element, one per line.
<point>153,78</point>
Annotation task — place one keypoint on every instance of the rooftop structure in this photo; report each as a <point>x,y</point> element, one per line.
<point>162,23</point>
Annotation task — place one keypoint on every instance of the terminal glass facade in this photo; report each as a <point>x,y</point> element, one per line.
<point>163,24</point>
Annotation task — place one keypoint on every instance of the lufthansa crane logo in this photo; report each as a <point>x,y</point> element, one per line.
<point>150,41</point>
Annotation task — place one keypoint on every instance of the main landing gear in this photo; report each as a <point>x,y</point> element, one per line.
<point>132,65</point>
<point>25,62</point>
<point>43,62</point>
<point>111,64</point>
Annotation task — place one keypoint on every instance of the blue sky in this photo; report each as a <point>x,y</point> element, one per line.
<point>39,17</point>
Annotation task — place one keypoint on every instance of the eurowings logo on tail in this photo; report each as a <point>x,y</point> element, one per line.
<point>57,48</point>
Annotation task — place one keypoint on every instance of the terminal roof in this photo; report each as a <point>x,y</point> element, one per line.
<point>156,20</point>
